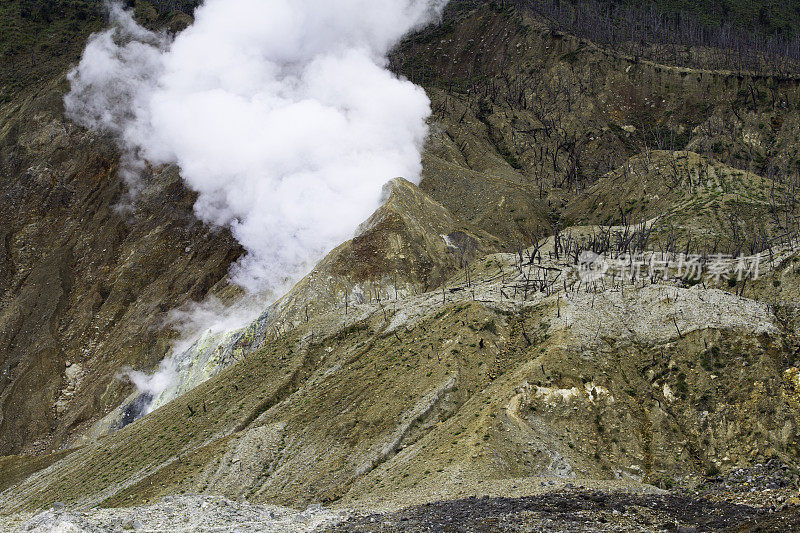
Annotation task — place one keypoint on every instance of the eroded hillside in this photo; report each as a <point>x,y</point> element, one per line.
<point>430,396</point>
<point>451,348</point>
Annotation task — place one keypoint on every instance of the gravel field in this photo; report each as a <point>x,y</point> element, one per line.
<point>178,514</point>
<point>584,511</point>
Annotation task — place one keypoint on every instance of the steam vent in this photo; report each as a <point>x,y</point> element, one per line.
<point>400,266</point>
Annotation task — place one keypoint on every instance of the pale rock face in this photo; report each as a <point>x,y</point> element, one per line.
<point>553,396</point>
<point>73,375</point>
<point>659,313</point>
<point>668,395</point>
<point>753,138</point>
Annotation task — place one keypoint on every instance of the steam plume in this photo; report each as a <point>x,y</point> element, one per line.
<point>279,113</point>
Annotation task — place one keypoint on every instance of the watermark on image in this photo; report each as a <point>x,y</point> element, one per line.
<point>592,267</point>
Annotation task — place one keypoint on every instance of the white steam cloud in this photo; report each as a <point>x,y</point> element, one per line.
<point>153,384</point>
<point>281,114</point>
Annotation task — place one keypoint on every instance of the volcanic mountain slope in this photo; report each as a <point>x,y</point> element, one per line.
<point>408,246</point>
<point>431,396</point>
<point>523,118</point>
<point>417,363</point>
<point>700,203</point>
<point>85,285</point>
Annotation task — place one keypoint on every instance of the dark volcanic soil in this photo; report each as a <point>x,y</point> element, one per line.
<point>582,511</point>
